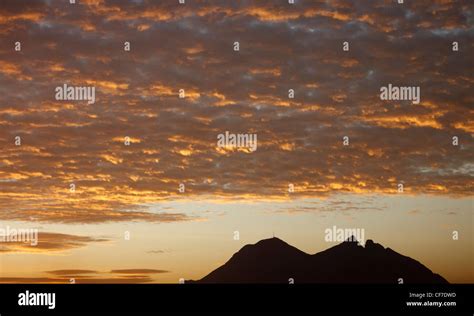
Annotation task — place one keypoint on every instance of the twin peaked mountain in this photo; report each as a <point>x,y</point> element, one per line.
<point>274,261</point>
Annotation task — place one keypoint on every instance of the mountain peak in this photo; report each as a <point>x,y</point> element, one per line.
<point>271,241</point>
<point>370,244</point>
<point>351,239</point>
<point>270,247</point>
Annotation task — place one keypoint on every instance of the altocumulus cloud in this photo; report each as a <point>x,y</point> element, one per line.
<point>173,140</point>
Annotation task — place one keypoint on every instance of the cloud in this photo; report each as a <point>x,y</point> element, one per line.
<point>46,280</point>
<point>50,243</point>
<point>340,204</point>
<point>22,280</point>
<point>173,140</point>
<point>138,271</point>
<point>71,272</point>
<point>83,276</point>
<point>156,251</point>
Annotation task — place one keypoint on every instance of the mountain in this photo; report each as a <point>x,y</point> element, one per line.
<point>274,261</point>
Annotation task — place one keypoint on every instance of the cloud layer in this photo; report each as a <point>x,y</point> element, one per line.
<point>47,243</point>
<point>173,140</point>
<point>90,277</point>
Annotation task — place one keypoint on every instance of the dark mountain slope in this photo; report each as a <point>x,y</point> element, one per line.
<point>274,261</point>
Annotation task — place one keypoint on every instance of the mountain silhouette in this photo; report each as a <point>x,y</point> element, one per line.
<point>274,261</point>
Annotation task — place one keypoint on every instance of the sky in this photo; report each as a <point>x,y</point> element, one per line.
<point>101,181</point>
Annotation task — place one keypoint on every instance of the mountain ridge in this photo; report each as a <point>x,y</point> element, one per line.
<point>273,260</point>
